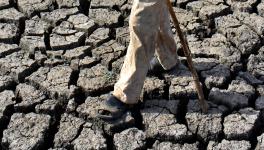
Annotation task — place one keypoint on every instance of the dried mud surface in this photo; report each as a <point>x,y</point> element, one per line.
<point>59,59</point>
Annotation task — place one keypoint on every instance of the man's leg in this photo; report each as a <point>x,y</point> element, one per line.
<point>144,24</point>
<point>166,47</point>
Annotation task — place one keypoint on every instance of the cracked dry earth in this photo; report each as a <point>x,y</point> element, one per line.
<point>59,59</point>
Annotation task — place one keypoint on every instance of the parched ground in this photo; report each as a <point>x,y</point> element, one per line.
<point>59,59</point>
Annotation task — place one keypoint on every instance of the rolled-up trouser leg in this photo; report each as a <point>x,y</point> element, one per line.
<point>144,25</point>
<point>166,49</point>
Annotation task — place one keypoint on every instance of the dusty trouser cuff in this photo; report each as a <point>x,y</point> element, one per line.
<point>168,64</point>
<point>119,94</point>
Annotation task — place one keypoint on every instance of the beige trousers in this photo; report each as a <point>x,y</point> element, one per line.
<point>150,33</point>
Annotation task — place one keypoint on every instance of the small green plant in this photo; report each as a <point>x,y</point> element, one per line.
<point>110,76</point>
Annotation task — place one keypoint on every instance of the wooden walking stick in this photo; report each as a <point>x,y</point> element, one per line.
<point>187,53</point>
